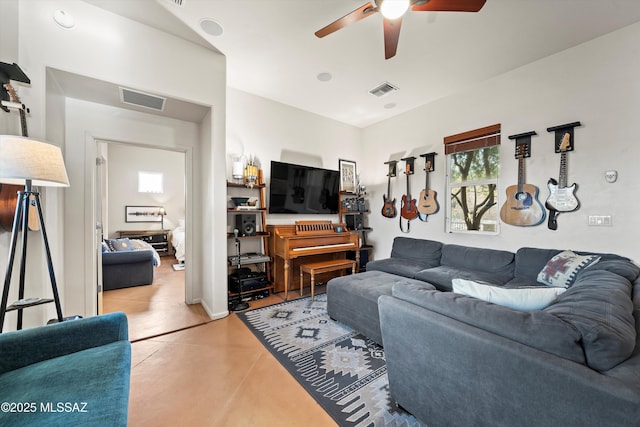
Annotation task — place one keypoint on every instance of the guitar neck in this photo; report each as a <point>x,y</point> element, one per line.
<point>520,175</point>
<point>23,122</point>
<point>562,178</point>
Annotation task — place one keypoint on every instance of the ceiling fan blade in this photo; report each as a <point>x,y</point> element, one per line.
<point>449,5</point>
<point>358,14</point>
<point>391,36</point>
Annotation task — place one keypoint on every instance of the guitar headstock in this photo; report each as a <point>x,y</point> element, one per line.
<point>408,167</point>
<point>565,144</point>
<point>429,161</point>
<point>12,93</point>
<point>523,150</point>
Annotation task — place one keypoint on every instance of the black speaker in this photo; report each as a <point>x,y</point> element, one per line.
<point>246,224</point>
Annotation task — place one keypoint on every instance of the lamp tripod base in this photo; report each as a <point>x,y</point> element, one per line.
<point>242,305</point>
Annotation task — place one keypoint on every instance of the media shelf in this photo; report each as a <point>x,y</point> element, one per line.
<point>251,223</point>
<point>352,212</point>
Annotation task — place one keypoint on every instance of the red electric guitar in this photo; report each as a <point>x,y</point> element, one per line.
<point>408,209</point>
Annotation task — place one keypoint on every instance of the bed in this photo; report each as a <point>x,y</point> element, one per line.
<point>177,240</point>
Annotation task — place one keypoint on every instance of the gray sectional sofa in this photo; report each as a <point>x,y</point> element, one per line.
<point>456,360</point>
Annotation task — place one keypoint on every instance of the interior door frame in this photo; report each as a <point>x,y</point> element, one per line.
<point>91,241</point>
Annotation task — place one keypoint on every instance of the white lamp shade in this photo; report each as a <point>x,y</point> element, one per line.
<point>23,159</point>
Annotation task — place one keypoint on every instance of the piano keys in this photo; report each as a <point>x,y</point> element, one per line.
<point>306,241</point>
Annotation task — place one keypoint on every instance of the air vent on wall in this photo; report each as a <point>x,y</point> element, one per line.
<point>141,99</point>
<point>383,89</point>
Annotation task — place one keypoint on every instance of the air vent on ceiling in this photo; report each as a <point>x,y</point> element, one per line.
<point>177,2</point>
<point>383,89</point>
<point>141,99</point>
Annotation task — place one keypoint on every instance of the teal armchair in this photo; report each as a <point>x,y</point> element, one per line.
<point>72,373</point>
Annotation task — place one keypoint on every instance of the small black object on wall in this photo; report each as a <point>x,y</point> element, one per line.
<point>246,224</point>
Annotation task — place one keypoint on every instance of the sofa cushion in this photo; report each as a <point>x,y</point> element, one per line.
<point>442,277</point>
<point>563,269</point>
<point>424,252</point>
<point>624,268</point>
<point>498,263</point>
<point>529,262</point>
<point>599,306</point>
<point>535,298</point>
<point>536,328</point>
<point>399,266</point>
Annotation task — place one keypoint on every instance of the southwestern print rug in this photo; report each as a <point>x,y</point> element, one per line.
<point>344,371</point>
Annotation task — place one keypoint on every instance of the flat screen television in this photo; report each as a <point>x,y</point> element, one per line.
<point>297,189</point>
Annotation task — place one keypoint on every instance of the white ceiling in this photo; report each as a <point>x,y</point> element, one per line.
<point>272,51</point>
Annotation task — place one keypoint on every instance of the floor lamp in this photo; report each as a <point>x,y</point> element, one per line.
<point>28,162</point>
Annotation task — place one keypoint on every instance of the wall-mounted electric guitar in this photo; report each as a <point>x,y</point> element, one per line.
<point>561,198</point>
<point>522,207</point>
<point>389,206</point>
<point>427,203</point>
<point>8,193</point>
<point>408,209</point>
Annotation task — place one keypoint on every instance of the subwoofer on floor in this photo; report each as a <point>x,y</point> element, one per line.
<point>246,224</point>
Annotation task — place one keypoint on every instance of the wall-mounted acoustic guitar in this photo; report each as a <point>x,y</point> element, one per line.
<point>522,207</point>
<point>427,203</point>
<point>408,209</point>
<point>561,198</point>
<point>8,192</point>
<point>389,205</point>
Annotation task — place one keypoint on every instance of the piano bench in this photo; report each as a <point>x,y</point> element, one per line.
<point>324,267</point>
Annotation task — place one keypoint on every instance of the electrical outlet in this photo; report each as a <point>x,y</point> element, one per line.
<point>600,220</point>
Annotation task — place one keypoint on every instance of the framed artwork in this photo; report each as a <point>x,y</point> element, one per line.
<point>348,175</point>
<point>143,213</point>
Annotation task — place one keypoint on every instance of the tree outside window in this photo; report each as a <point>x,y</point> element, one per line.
<point>473,164</point>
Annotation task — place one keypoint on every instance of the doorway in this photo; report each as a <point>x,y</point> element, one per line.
<point>159,307</point>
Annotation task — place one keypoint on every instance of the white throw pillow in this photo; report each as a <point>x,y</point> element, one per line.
<point>515,298</point>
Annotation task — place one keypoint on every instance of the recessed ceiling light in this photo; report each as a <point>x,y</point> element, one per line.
<point>64,19</point>
<point>324,77</point>
<point>211,27</point>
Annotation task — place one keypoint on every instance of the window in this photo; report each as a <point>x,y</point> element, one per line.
<point>473,163</point>
<point>150,182</point>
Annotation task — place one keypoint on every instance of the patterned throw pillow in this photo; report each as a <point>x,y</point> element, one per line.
<point>562,270</point>
<point>119,245</point>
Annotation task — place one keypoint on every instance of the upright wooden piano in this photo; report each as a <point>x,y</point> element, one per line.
<point>306,241</point>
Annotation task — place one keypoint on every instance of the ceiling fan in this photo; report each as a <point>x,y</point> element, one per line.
<point>392,11</point>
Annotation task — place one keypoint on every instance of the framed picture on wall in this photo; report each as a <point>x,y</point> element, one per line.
<point>143,213</point>
<point>348,175</point>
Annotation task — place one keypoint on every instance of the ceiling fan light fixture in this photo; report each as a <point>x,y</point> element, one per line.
<point>394,9</point>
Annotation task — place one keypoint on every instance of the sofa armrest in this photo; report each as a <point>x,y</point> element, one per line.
<point>127,257</point>
<point>447,372</point>
<point>29,346</point>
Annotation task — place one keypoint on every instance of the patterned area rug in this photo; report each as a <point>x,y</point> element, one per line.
<point>344,371</point>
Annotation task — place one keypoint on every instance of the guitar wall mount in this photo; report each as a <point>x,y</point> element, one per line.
<point>560,131</point>
<point>10,72</point>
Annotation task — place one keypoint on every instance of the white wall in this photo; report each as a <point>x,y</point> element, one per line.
<point>596,84</point>
<point>111,48</point>
<point>274,131</point>
<point>124,163</point>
